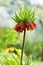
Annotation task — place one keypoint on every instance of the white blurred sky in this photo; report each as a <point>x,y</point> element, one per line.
<point>32,1</point>
<point>37,2</point>
<point>4,18</point>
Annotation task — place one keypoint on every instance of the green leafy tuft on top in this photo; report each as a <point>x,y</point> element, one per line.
<point>24,15</point>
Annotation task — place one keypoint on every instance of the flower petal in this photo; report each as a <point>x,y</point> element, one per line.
<point>20,27</point>
<point>30,25</point>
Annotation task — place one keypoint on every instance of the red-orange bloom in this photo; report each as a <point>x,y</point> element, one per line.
<point>22,26</point>
<point>30,25</point>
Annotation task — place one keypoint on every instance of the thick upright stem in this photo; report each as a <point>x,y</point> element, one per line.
<point>23,47</point>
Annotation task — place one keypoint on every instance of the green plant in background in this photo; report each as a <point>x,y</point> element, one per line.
<point>33,49</point>
<point>8,59</point>
<point>13,58</point>
<point>8,38</point>
<point>25,19</point>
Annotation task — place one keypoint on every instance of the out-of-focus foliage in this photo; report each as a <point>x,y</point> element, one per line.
<point>33,49</point>
<point>8,37</point>
<point>13,58</point>
<point>7,58</point>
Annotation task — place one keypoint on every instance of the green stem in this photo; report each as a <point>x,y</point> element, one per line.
<point>23,47</point>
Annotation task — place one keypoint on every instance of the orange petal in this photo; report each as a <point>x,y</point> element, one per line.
<point>30,25</point>
<point>20,27</point>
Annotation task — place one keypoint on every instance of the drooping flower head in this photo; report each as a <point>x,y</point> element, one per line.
<point>24,19</point>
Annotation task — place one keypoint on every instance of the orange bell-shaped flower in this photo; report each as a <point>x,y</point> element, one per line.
<point>20,27</point>
<point>30,25</point>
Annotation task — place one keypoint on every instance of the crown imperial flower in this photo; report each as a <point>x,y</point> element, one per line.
<point>24,19</point>
<point>22,26</point>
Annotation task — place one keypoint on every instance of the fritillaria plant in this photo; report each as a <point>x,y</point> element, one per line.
<point>25,21</point>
